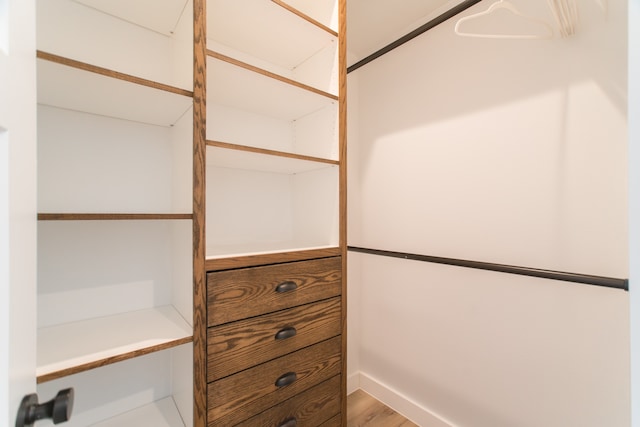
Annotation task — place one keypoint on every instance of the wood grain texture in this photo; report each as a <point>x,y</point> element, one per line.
<point>365,411</point>
<point>240,396</point>
<point>269,74</point>
<point>335,421</point>
<point>342,137</point>
<point>305,17</point>
<point>110,73</point>
<point>239,345</point>
<point>110,360</point>
<point>312,407</point>
<point>111,216</point>
<point>219,264</point>
<point>199,244</point>
<point>230,146</point>
<point>238,294</point>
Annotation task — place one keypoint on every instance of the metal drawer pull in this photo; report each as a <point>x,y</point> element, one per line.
<point>291,422</point>
<point>286,287</point>
<point>285,333</point>
<point>286,379</point>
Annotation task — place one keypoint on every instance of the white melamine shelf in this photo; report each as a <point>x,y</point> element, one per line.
<point>258,249</point>
<point>122,35</point>
<point>323,11</point>
<point>74,89</point>
<point>162,413</point>
<point>246,160</point>
<point>265,30</point>
<point>237,87</point>
<point>163,20</point>
<point>77,346</point>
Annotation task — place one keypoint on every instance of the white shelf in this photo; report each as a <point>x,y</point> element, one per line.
<point>162,413</point>
<point>163,20</point>
<point>257,249</point>
<point>122,35</point>
<point>80,343</point>
<point>323,11</point>
<point>74,89</point>
<point>246,160</point>
<point>265,30</point>
<point>236,87</point>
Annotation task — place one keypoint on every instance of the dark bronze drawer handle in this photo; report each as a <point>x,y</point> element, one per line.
<point>286,379</point>
<point>286,287</point>
<point>291,422</point>
<point>285,333</point>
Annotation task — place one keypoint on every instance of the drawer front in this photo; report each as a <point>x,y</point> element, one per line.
<point>236,346</point>
<point>311,408</point>
<point>241,396</point>
<point>333,422</point>
<point>239,294</point>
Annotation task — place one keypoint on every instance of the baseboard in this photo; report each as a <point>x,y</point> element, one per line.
<point>396,401</point>
<point>353,382</point>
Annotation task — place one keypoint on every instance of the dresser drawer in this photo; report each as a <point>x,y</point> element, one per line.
<point>238,294</point>
<point>239,345</point>
<point>243,395</point>
<point>336,421</point>
<point>311,408</point>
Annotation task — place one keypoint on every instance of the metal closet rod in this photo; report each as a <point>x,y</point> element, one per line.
<point>415,33</point>
<point>586,279</point>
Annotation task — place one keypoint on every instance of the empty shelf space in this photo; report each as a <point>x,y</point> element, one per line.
<point>76,89</point>
<point>78,346</point>
<point>266,30</point>
<point>122,36</point>
<point>162,413</point>
<point>111,73</point>
<point>269,74</point>
<point>238,87</point>
<point>323,13</point>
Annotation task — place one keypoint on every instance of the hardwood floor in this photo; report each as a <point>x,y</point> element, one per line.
<point>364,410</point>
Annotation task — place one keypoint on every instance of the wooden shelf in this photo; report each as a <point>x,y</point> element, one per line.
<point>110,216</point>
<point>79,346</point>
<point>269,74</point>
<point>70,86</point>
<point>245,89</point>
<point>276,153</point>
<point>259,160</point>
<point>162,413</point>
<point>280,36</point>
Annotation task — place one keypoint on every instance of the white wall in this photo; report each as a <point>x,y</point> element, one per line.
<point>502,151</point>
<point>634,203</point>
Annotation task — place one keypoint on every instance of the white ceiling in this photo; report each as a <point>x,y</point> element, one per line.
<point>373,24</point>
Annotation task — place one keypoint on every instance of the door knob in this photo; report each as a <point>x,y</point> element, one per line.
<point>58,409</point>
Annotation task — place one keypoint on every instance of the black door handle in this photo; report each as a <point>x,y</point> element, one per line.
<point>58,409</point>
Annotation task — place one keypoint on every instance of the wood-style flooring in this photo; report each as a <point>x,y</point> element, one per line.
<point>365,410</point>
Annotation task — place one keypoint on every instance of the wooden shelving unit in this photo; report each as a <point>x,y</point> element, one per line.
<point>275,210</point>
<point>115,192</point>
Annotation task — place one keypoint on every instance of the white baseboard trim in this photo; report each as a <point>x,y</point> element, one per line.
<point>353,382</point>
<point>396,401</point>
